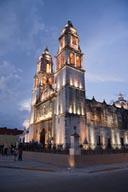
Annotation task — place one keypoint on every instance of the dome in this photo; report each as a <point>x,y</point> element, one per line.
<point>121,97</point>
<point>121,102</point>
<point>45,54</point>
<point>46,51</point>
<point>69,29</point>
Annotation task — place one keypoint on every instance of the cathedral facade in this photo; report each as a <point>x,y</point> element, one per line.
<point>59,103</point>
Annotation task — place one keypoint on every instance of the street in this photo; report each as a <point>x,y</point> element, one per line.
<point>20,180</point>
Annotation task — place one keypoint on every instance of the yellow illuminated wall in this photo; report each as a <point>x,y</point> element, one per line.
<point>8,139</point>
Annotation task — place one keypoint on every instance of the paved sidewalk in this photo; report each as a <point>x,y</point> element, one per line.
<point>8,162</point>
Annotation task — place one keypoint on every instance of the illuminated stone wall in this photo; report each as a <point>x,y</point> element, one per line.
<point>107,124</point>
<point>101,114</point>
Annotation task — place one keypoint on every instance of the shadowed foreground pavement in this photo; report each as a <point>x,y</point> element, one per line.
<point>34,176</point>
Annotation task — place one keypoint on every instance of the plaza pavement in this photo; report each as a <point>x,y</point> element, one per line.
<point>25,176</point>
<point>9,162</point>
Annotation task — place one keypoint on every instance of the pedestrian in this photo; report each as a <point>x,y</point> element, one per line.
<point>2,149</point>
<point>5,149</point>
<point>15,152</point>
<point>20,152</point>
<point>12,149</point>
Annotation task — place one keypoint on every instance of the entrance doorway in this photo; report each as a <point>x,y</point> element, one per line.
<point>109,143</point>
<point>98,140</point>
<point>42,137</point>
<point>122,141</point>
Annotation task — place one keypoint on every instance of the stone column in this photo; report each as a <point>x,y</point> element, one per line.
<point>74,149</point>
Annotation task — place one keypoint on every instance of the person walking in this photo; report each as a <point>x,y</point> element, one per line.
<point>5,149</point>
<point>15,153</point>
<point>20,152</point>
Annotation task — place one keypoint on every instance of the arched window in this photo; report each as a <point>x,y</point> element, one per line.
<point>36,82</point>
<point>44,80</point>
<point>78,61</point>
<point>57,63</point>
<point>44,110</point>
<point>48,68</point>
<point>38,67</point>
<point>50,107</point>
<point>62,42</point>
<point>50,81</point>
<point>74,41</point>
<point>72,58</point>
<point>62,59</point>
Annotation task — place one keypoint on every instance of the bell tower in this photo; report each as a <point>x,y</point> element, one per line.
<point>44,75</point>
<point>69,79</point>
<point>43,78</point>
<point>42,94</point>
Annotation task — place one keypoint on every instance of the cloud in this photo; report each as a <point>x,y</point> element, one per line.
<point>8,26</point>
<point>17,27</point>
<point>7,68</point>
<point>25,123</point>
<point>9,75</point>
<point>32,35</point>
<point>102,78</point>
<point>106,49</point>
<point>25,105</point>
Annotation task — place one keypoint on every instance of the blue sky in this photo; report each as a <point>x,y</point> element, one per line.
<point>28,26</point>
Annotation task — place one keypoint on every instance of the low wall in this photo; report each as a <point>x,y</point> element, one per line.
<point>101,159</point>
<point>75,161</point>
<point>52,158</point>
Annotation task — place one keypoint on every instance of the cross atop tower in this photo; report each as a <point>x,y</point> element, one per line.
<point>69,24</point>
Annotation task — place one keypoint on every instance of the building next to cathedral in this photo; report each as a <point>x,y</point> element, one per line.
<point>59,102</point>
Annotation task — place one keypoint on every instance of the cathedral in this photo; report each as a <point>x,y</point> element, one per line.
<point>59,104</point>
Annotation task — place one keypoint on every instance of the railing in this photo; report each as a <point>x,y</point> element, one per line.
<point>99,150</point>
<point>46,149</point>
<point>60,150</point>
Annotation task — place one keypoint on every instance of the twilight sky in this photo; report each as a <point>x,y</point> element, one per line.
<point>28,26</point>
